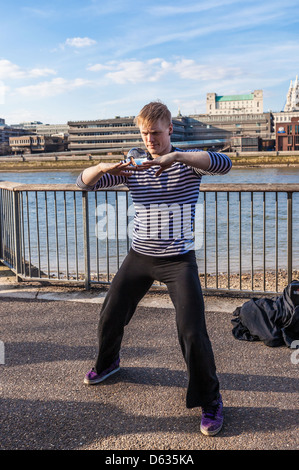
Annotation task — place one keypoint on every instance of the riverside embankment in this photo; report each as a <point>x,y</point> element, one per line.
<point>65,161</point>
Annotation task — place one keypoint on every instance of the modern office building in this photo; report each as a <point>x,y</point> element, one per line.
<point>28,125</point>
<point>120,132</point>
<point>196,131</point>
<point>236,125</point>
<point>5,133</point>
<point>287,135</point>
<point>283,117</point>
<point>38,127</point>
<point>37,144</point>
<point>103,134</point>
<point>251,103</point>
<point>204,130</point>
<point>52,129</point>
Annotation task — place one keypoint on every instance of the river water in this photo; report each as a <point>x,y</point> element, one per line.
<point>282,175</point>
<point>239,243</point>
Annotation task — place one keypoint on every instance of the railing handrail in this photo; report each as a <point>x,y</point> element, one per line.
<point>250,187</point>
<point>205,187</point>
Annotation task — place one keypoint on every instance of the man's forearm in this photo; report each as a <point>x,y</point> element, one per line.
<point>199,160</point>
<point>91,175</point>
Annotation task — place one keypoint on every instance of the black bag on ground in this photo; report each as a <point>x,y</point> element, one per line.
<point>273,321</point>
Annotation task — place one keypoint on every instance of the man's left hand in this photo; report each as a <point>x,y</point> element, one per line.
<point>164,161</point>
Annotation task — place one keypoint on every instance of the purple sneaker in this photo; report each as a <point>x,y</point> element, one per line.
<point>212,417</point>
<point>92,377</point>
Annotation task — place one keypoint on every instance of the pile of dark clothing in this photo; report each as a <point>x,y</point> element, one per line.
<point>273,321</point>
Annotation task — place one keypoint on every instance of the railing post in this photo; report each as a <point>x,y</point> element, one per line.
<point>1,224</point>
<point>16,231</point>
<point>86,239</point>
<point>289,236</point>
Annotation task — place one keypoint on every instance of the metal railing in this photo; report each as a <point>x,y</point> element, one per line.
<point>246,235</point>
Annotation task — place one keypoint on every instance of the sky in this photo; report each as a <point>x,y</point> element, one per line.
<point>96,59</point>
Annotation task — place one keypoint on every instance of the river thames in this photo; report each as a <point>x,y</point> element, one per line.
<point>275,241</point>
<point>283,175</point>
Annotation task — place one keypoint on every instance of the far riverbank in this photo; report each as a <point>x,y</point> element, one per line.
<point>75,162</point>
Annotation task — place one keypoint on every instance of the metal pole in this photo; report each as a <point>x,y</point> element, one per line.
<point>289,236</point>
<point>1,224</point>
<point>86,239</point>
<point>16,229</point>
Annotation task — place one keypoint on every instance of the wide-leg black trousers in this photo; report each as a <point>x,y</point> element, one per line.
<point>180,274</point>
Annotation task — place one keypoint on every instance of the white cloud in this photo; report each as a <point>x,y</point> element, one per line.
<point>9,70</point>
<point>2,92</point>
<point>99,67</point>
<point>134,71</point>
<point>51,88</point>
<point>41,72</point>
<point>80,42</point>
<point>13,116</point>
<point>252,15</point>
<point>191,70</point>
<point>39,12</point>
<point>190,106</point>
<point>167,10</point>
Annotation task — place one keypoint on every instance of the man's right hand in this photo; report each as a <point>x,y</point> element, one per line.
<point>118,169</point>
<point>91,175</point>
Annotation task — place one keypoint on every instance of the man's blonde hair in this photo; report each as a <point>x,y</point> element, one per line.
<point>152,112</point>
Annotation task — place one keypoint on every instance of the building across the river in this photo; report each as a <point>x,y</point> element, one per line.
<point>231,122</point>
<point>119,132</point>
<point>37,144</point>
<point>251,103</point>
<point>292,102</point>
<point>287,135</point>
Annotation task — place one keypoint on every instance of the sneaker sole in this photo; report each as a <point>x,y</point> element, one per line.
<point>97,381</point>
<point>211,433</point>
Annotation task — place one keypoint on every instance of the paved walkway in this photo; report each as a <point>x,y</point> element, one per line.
<point>49,336</point>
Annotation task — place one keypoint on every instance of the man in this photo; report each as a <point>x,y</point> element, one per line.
<point>166,184</point>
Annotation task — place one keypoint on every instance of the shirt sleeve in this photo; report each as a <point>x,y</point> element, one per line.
<point>220,164</point>
<point>106,181</point>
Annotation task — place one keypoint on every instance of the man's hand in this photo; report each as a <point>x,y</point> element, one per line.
<point>164,161</point>
<point>91,175</point>
<point>117,169</point>
<point>195,159</point>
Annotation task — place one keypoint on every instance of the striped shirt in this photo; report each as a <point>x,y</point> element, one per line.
<point>164,205</point>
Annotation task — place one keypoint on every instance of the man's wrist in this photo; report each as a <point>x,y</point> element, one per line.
<point>101,170</point>
<point>178,156</point>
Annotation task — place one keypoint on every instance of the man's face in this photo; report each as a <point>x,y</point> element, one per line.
<point>156,137</point>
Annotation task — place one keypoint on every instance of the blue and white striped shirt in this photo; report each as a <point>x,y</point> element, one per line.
<point>164,205</point>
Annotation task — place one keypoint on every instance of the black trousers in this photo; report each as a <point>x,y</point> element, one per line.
<point>180,274</point>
